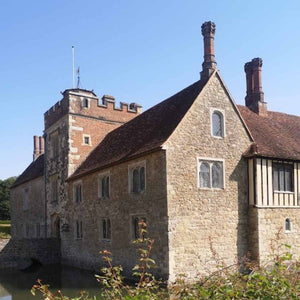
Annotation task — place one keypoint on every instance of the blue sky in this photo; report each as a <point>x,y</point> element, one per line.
<point>137,51</point>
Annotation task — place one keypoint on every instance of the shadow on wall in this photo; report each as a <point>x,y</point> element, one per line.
<point>241,177</point>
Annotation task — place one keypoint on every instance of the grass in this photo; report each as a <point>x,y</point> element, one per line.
<point>5,230</point>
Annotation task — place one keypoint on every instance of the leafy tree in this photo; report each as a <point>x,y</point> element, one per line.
<point>5,186</point>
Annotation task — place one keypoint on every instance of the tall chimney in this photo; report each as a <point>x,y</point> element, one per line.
<point>42,145</point>
<point>36,147</point>
<point>209,65</point>
<point>255,97</point>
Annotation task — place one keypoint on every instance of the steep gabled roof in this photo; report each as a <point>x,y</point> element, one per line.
<point>145,133</point>
<point>276,135</point>
<point>34,170</point>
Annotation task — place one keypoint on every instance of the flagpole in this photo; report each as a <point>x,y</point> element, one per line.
<point>73,67</point>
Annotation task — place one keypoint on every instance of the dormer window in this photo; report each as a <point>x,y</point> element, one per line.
<point>217,124</point>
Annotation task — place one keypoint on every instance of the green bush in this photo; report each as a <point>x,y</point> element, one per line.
<point>279,279</point>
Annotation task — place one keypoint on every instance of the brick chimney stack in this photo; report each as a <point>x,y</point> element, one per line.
<point>255,97</point>
<point>38,146</point>
<point>42,145</point>
<point>209,65</point>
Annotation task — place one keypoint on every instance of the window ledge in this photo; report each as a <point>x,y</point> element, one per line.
<point>277,206</point>
<point>211,189</point>
<point>103,198</point>
<point>106,240</point>
<point>284,192</point>
<point>138,193</point>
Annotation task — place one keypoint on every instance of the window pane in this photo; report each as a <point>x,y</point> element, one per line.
<point>287,225</point>
<point>217,175</point>
<point>108,229</point>
<point>135,181</point>
<point>281,177</point>
<point>275,177</point>
<point>104,229</point>
<point>103,187</point>
<point>288,178</point>
<point>204,175</point>
<point>136,228</point>
<point>107,186</point>
<point>142,179</point>
<point>217,125</point>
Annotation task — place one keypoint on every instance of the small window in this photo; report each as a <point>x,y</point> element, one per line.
<point>138,179</point>
<point>104,184</point>
<point>211,174</point>
<point>25,199</point>
<point>79,229</point>
<point>85,103</point>
<point>283,177</point>
<point>217,124</point>
<point>288,226</point>
<point>86,140</point>
<point>106,229</point>
<point>139,227</point>
<point>77,192</point>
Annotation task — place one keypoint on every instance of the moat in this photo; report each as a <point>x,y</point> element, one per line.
<point>16,285</point>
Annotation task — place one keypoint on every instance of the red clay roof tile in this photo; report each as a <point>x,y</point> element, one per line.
<point>276,135</point>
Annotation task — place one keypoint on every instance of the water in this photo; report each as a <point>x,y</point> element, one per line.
<point>16,285</point>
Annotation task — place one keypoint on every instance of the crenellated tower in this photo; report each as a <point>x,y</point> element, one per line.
<point>73,127</point>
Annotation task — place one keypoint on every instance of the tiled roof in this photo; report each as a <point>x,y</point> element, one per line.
<point>34,170</point>
<point>275,134</point>
<point>145,133</point>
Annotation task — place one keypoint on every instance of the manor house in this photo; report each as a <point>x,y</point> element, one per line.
<point>201,171</point>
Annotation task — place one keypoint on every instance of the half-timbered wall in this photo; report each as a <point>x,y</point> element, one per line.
<point>261,191</point>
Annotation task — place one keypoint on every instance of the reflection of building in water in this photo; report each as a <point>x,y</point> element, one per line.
<point>4,294</point>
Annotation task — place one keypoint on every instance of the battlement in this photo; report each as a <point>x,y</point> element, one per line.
<point>85,103</point>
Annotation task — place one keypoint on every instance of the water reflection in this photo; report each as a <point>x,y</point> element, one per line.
<point>16,285</point>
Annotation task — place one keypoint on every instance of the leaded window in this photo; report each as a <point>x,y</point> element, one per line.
<point>138,179</point>
<point>211,174</point>
<point>106,229</point>
<point>283,177</point>
<point>79,234</point>
<point>105,187</point>
<point>288,226</point>
<point>217,124</point>
<point>139,226</point>
<point>78,192</point>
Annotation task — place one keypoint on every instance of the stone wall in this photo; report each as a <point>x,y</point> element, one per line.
<point>28,209</point>
<point>18,253</point>
<point>271,233</point>
<point>206,224</point>
<point>120,208</point>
